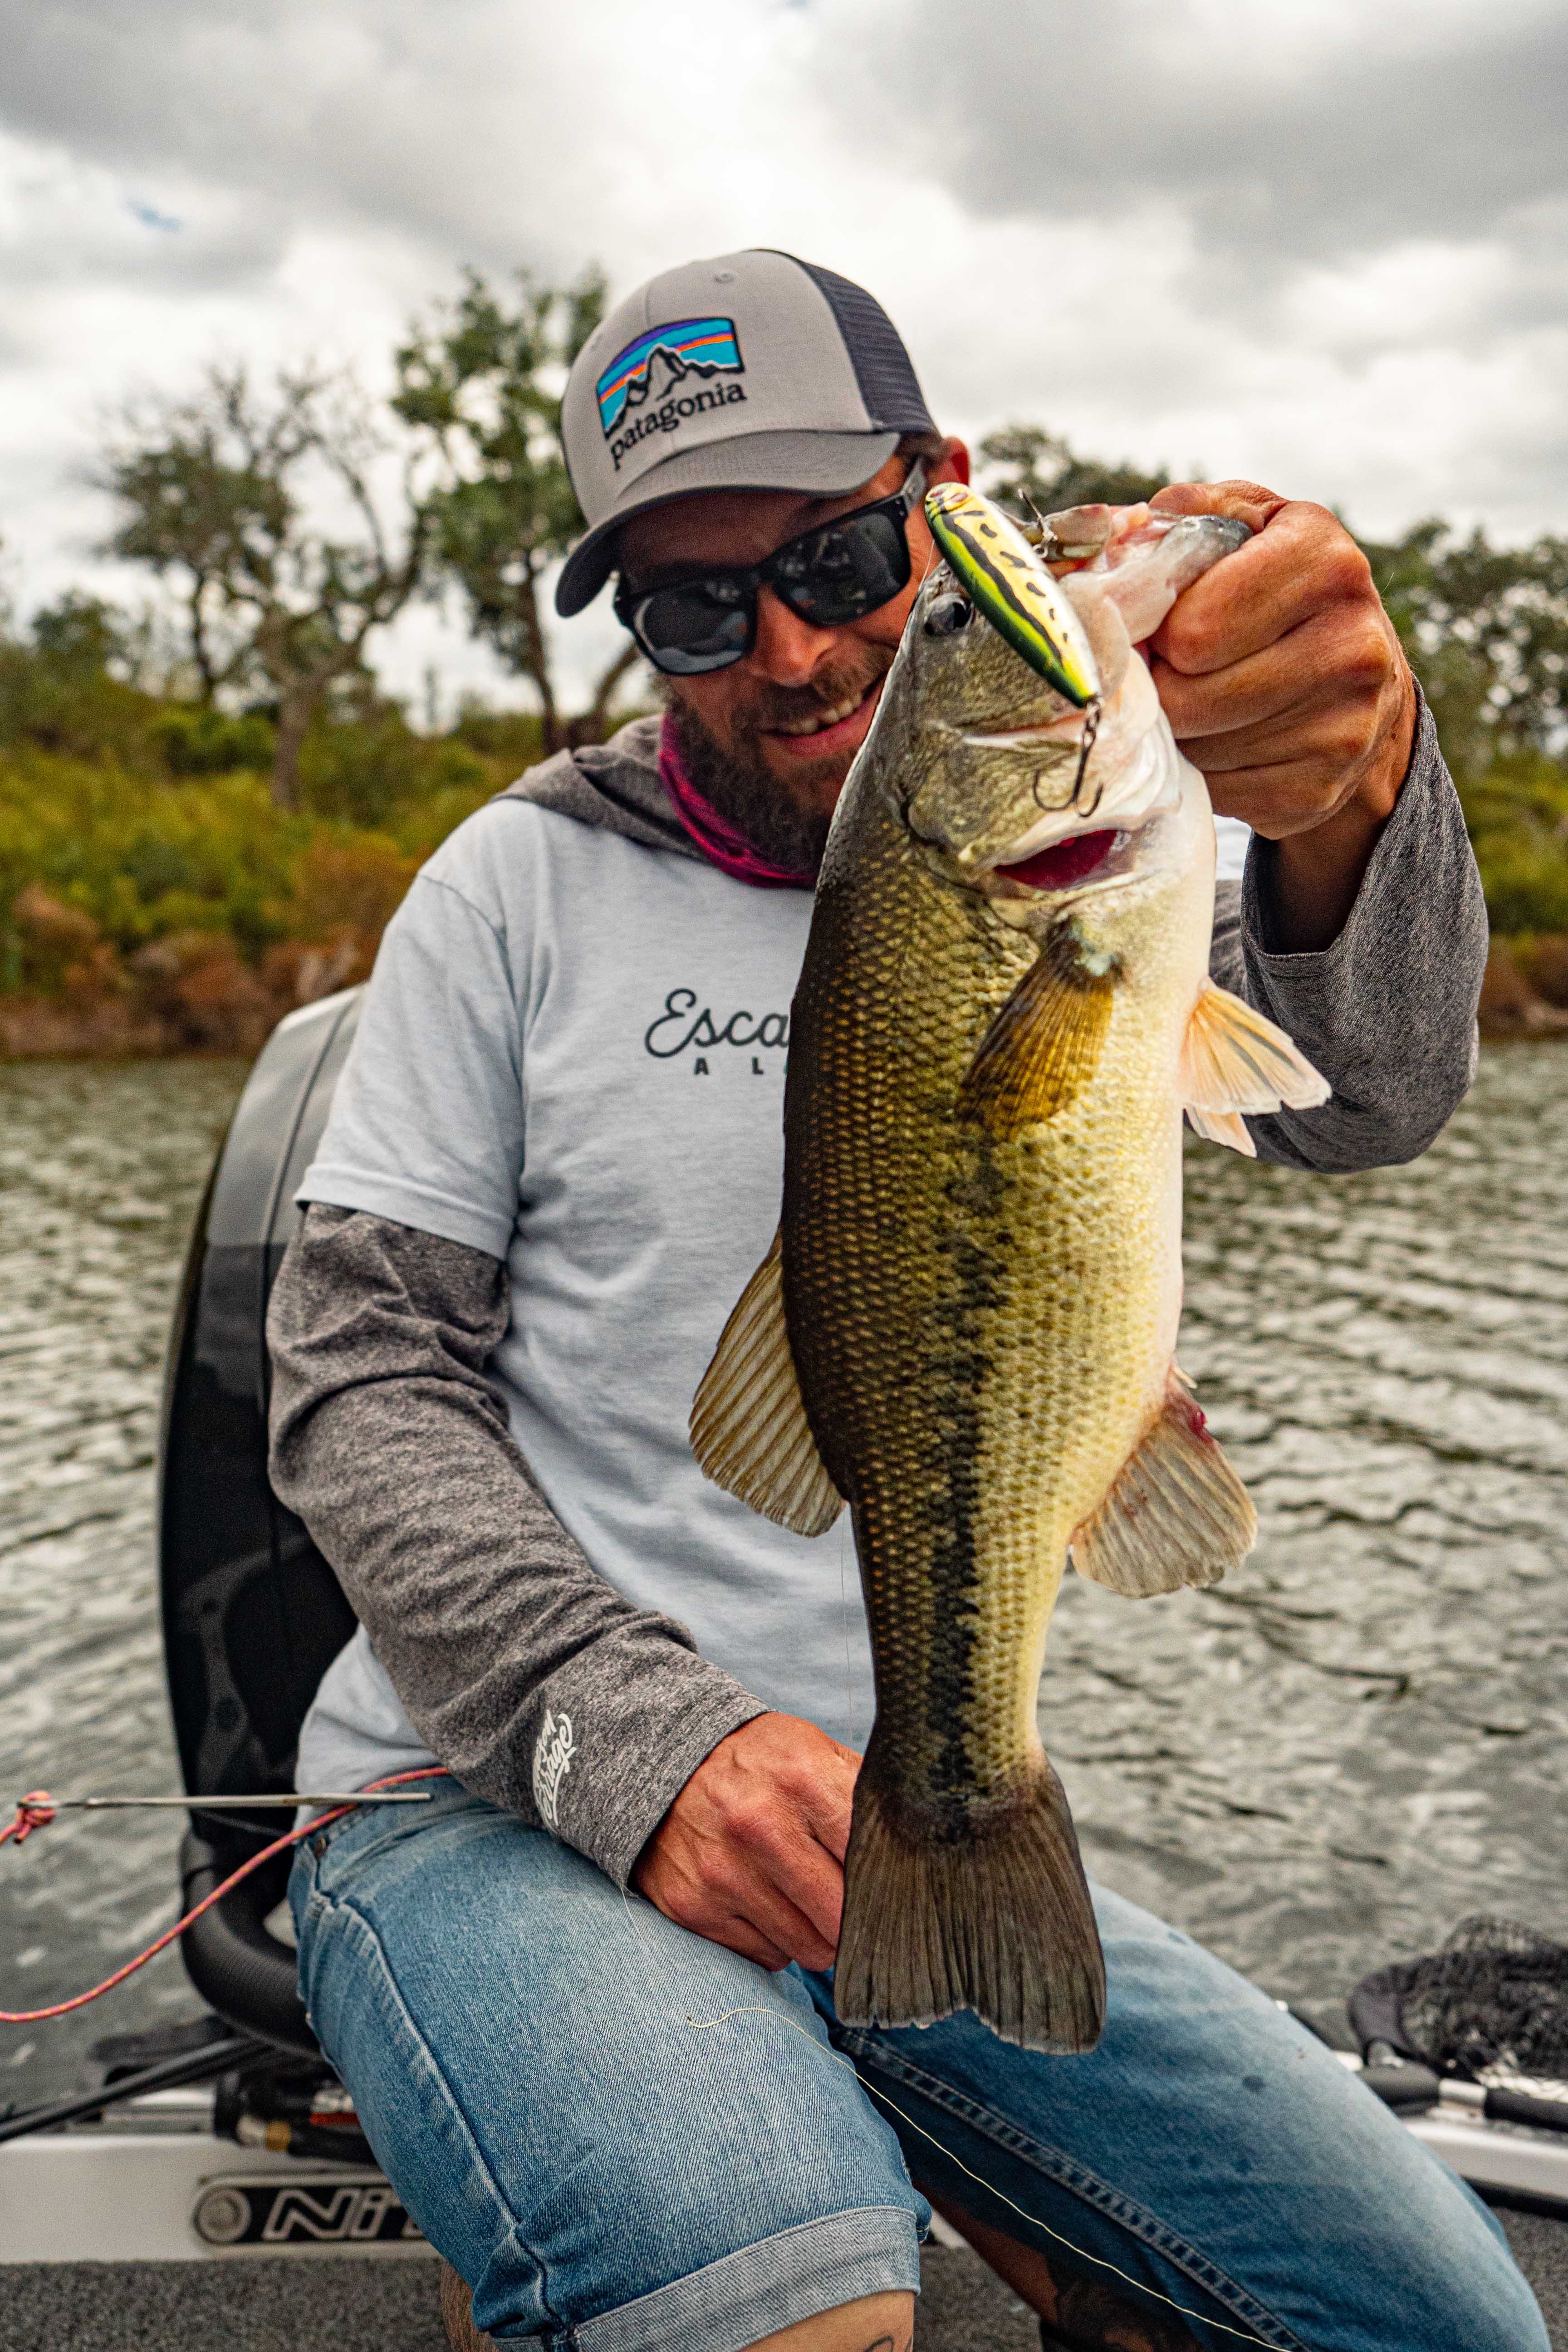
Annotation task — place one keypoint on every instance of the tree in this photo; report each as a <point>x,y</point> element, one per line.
<point>485,379</point>
<point>81,636</point>
<point>1486,629</point>
<point>221,490</point>
<point>1029,470</point>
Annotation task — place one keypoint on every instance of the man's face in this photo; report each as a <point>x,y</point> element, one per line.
<point>770,740</point>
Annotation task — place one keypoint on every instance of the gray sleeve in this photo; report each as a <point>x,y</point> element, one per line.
<point>1388,1012</point>
<point>393,1447</point>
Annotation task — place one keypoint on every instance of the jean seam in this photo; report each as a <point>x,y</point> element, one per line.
<point>557,2331</point>
<point>1079,2181</point>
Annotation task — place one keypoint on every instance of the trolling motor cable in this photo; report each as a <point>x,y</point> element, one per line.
<point>36,1810</point>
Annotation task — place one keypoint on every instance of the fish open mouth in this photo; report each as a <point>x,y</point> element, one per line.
<point>1065,863</point>
<point>1067,732</point>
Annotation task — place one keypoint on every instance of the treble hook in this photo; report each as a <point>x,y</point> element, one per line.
<point>1091,717</point>
<point>1093,711</point>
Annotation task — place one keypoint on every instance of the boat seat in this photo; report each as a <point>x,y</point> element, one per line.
<point>252,1613</point>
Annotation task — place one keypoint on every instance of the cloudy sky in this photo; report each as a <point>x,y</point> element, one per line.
<point>1320,242</point>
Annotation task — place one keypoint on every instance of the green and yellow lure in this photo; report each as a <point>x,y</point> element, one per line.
<point>999,570</point>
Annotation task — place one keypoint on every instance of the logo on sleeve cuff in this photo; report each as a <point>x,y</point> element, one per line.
<point>552,1761</point>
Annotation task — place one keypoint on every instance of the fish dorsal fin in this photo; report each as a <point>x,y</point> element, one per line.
<point>749,1429</point>
<point>1177,1514</point>
<point>1236,1060</point>
<point>1043,1047</point>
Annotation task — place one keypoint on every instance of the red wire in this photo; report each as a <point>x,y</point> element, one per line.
<point>36,1810</point>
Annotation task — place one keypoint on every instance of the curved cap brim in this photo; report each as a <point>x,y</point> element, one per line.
<point>824,463</point>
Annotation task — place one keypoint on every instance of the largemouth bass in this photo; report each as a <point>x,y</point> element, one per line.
<point>965,1326</point>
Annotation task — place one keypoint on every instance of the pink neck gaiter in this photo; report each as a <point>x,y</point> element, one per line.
<point>715,836</point>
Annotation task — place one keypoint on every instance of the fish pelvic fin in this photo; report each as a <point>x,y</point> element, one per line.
<point>1177,1514</point>
<point>997,1919</point>
<point>1233,1060</point>
<point>1044,1046</point>
<point>749,1429</point>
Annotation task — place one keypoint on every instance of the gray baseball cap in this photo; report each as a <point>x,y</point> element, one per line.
<point>750,371</point>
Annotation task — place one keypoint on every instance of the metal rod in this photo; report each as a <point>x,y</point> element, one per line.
<point>221,1804</point>
<point>190,2066</point>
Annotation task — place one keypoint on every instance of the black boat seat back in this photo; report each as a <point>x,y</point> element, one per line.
<point>252,1613</point>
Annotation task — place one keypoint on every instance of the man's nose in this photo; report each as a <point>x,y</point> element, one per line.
<point>788,651</point>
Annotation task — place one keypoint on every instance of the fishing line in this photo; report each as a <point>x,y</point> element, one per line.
<point>844,1619</point>
<point>1080,2253</point>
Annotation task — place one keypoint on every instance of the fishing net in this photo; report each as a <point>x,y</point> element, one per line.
<point>1494,1999</point>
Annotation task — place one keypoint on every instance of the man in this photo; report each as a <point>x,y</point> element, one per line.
<point>630,2118</point>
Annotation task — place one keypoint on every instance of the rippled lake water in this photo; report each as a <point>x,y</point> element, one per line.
<point>1324,1762</point>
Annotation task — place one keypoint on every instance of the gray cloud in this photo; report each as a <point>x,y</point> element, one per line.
<point>379,114</point>
<point>1314,240</point>
<point>1272,145</point>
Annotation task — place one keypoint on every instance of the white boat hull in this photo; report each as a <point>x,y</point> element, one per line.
<point>104,2196</point>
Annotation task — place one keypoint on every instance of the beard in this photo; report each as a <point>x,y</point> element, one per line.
<point>786,823</point>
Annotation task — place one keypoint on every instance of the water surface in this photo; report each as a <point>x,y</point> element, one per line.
<point>1327,1760</point>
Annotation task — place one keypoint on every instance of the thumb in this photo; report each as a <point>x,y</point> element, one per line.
<point>1248,502</point>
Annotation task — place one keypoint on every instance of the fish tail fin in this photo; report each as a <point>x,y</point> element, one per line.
<point>996,1919</point>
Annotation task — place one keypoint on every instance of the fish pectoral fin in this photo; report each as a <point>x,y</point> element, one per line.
<point>1044,1046</point>
<point>749,1429</point>
<point>1177,1514</point>
<point>1234,1059</point>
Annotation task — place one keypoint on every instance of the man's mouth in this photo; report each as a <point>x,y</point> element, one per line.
<point>839,727</point>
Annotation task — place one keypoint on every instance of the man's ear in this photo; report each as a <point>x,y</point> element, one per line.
<point>952,465</point>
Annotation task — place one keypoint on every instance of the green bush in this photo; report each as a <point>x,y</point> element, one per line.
<point>1517,812</point>
<point>203,742</point>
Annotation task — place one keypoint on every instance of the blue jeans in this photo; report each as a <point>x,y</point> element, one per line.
<point>627,2139</point>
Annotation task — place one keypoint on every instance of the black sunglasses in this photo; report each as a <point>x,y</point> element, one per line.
<point>830,575</point>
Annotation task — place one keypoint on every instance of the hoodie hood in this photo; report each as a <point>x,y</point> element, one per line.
<point>615,787</point>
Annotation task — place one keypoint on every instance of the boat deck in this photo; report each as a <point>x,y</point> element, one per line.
<point>249,2304</point>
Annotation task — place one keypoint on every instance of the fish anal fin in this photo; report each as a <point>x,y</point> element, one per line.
<point>749,1429</point>
<point>1234,1059</point>
<point>1177,1514</point>
<point>998,1919</point>
<point>1044,1046</point>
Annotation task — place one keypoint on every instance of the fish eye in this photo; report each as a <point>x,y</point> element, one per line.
<point>948,614</point>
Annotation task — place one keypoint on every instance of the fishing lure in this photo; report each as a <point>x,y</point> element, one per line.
<point>1007,582</point>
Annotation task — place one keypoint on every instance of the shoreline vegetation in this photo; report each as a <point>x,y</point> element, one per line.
<point>209,811</point>
<point>153,898</point>
<point>156,901</point>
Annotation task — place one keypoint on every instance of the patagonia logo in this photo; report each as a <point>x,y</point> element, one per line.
<point>552,1757</point>
<point>701,347</point>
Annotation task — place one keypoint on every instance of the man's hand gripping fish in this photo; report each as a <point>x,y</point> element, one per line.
<point>965,1326</point>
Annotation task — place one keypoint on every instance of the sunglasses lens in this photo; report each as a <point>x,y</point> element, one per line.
<point>829,576</point>
<point>845,571</point>
<point>693,627</point>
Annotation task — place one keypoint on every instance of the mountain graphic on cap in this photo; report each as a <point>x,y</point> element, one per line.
<point>686,346</point>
